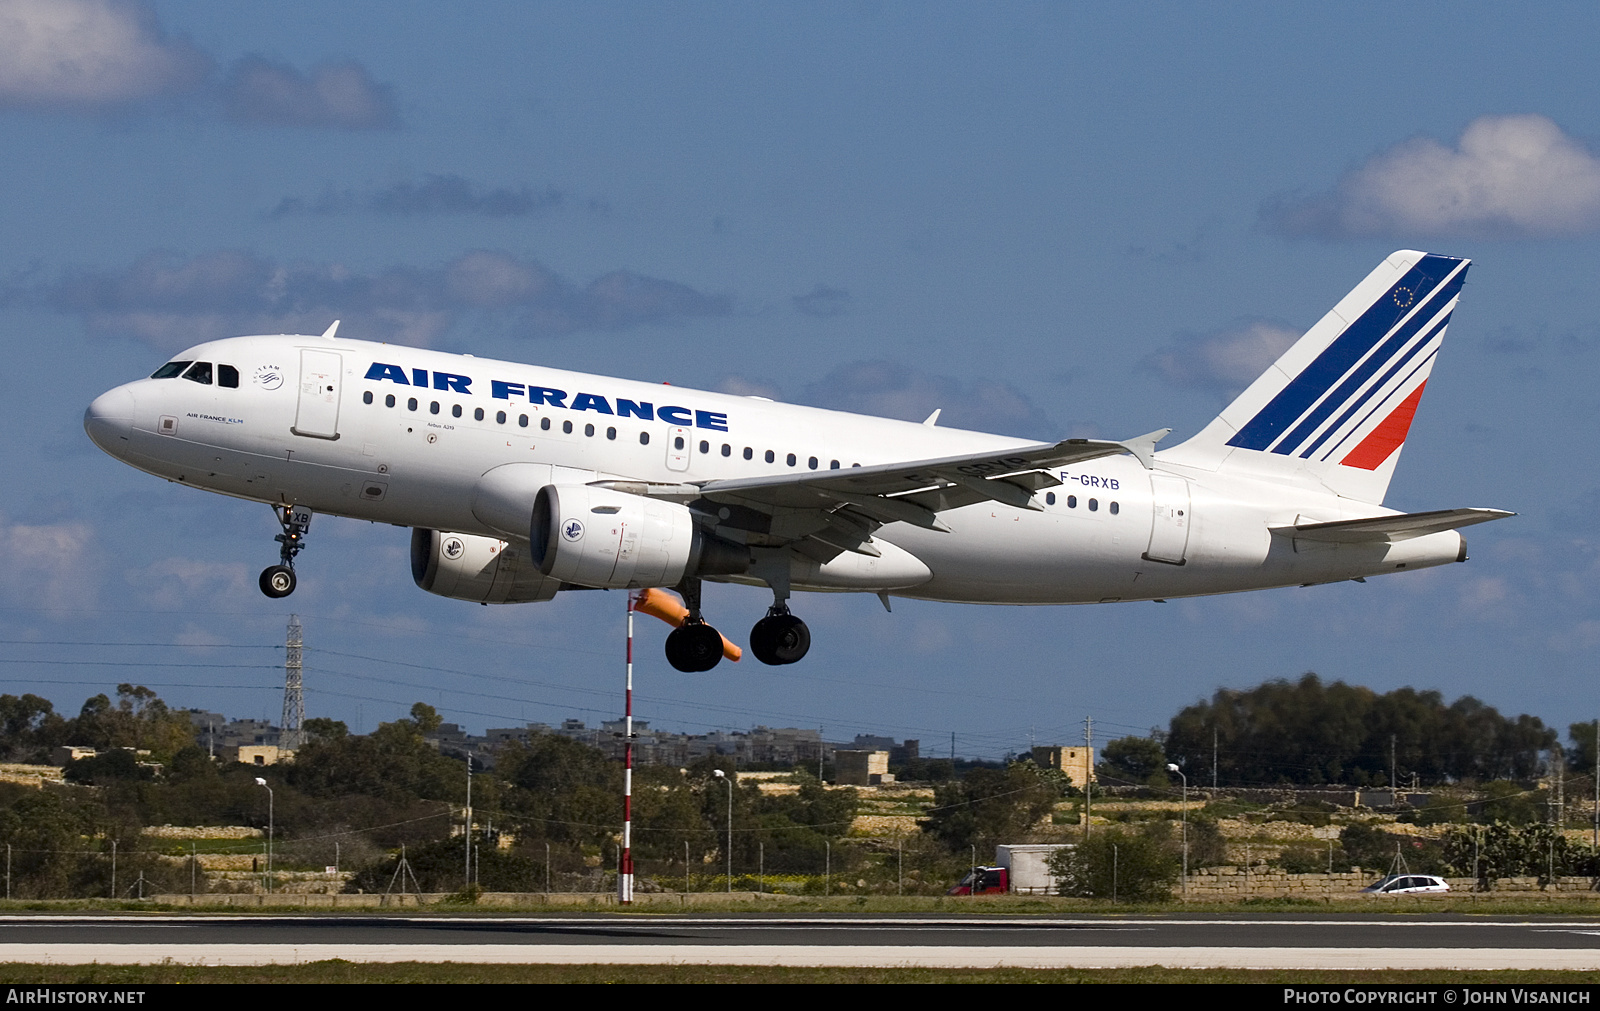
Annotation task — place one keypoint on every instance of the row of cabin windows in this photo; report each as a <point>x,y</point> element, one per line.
<point>1072,503</point>
<point>678,442</point>
<point>199,372</point>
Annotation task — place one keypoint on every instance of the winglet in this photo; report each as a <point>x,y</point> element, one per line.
<point>1143,447</point>
<point>328,335</point>
<point>933,419</point>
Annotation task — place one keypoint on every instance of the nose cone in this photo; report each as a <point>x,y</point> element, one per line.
<point>109,419</point>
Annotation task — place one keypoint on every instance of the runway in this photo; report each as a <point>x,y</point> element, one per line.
<point>1289,942</point>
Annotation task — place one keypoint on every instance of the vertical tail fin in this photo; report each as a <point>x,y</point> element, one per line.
<point>1334,410</point>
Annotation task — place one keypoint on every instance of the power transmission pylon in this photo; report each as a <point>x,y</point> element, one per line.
<point>294,699</point>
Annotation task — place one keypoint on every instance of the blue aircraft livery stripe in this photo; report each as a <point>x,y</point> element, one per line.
<point>1377,389</point>
<point>1348,390</point>
<point>1349,347</point>
<point>1404,384</point>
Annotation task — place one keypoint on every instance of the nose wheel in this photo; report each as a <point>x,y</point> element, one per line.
<point>780,638</point>
<point>278,580</point>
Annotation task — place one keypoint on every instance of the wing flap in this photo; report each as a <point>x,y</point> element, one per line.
<point>1399,527</point>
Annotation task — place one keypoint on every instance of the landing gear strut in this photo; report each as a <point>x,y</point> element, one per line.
<point>693,646</point>
<point>780,638</point>
<point>278,580</point>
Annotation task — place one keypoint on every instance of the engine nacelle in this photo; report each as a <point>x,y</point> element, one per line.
<point>481,569</point>
<point>604,538</point>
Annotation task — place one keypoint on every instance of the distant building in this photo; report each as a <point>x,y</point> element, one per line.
<point>67,753</point>
<point>256,754</point>
<point>1076,762</point>
<point>861,768</point>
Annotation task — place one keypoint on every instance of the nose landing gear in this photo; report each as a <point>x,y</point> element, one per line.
<point>278,580</point>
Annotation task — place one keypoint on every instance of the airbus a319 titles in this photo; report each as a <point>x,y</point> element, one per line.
<point>519,481</point>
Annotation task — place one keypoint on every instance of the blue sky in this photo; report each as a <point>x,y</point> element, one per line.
<point>1046,219</point>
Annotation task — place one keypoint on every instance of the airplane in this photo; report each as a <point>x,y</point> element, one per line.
<point>520,481</point>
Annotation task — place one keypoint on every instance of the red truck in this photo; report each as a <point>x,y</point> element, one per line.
<point>983,881</point>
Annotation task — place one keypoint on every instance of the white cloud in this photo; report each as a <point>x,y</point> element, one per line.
<point>90,54</point>
<point>1507,177</point>
<point>341,95</point>
<point>171,301</point>
<point>1224,361</point>
<point>180,582</point>
<point>46,564</point>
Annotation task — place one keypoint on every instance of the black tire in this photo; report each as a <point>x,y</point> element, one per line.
<point>694,648</point>
<point>277,581</point>
<point>780,639</point>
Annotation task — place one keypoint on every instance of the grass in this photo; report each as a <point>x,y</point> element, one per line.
<point>339,971</point>
<point>992,905</point>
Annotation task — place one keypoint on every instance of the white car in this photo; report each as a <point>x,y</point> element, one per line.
<point>1408,884</point>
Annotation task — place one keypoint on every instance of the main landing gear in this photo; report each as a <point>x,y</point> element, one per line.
<point>780,637</point>
<point>693,646</point>
<point>278,580</point>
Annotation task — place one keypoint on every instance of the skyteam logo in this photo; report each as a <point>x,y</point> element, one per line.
<point>452,548</point>
<point>572,530</point>
<point>1354,402</point>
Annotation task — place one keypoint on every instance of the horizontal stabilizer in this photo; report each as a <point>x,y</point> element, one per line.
<point>1399,527</point>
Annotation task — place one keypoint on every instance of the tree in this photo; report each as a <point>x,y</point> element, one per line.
<point>1130,867</point>
<point>1310,732</point>
<point>992,806</point>
<point>1134,760</point>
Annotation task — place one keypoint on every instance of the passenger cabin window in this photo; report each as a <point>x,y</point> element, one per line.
<point>544,424</point>
<point>611,433</point>
<point>771,456</point>
<point>388,401</point>
<point>749,453</point>
<point>228,376</point>
<point>644,438</point>
<point>455,410</point>
<point>566,427</point>
<point>171,370</point>
<point>366,398</point>
<point>477,414</point>
<point>588,430</point>
<point>791,459</point>
<point>1115,508</point>
<point>199,372</point>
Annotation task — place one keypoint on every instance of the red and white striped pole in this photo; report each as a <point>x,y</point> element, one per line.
<point>625,876</point>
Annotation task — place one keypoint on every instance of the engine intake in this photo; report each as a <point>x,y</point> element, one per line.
<point>481,569</point>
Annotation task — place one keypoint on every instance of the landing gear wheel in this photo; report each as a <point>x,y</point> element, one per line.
<point>694,647</point>
<point>277,581</point>
<point>780,639</point>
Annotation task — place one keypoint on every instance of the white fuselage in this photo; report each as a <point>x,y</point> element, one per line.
<point>310,424</point>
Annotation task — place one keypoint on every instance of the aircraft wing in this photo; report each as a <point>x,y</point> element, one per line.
<point>1400,527</point>
<point>829,511</point>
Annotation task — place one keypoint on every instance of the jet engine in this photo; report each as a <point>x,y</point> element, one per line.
<point>599,537</point>
<point>481,569</point>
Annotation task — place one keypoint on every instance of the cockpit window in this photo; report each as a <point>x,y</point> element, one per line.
<point>199,372</point>
<point>170,370</point>
<point>228,376</point>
